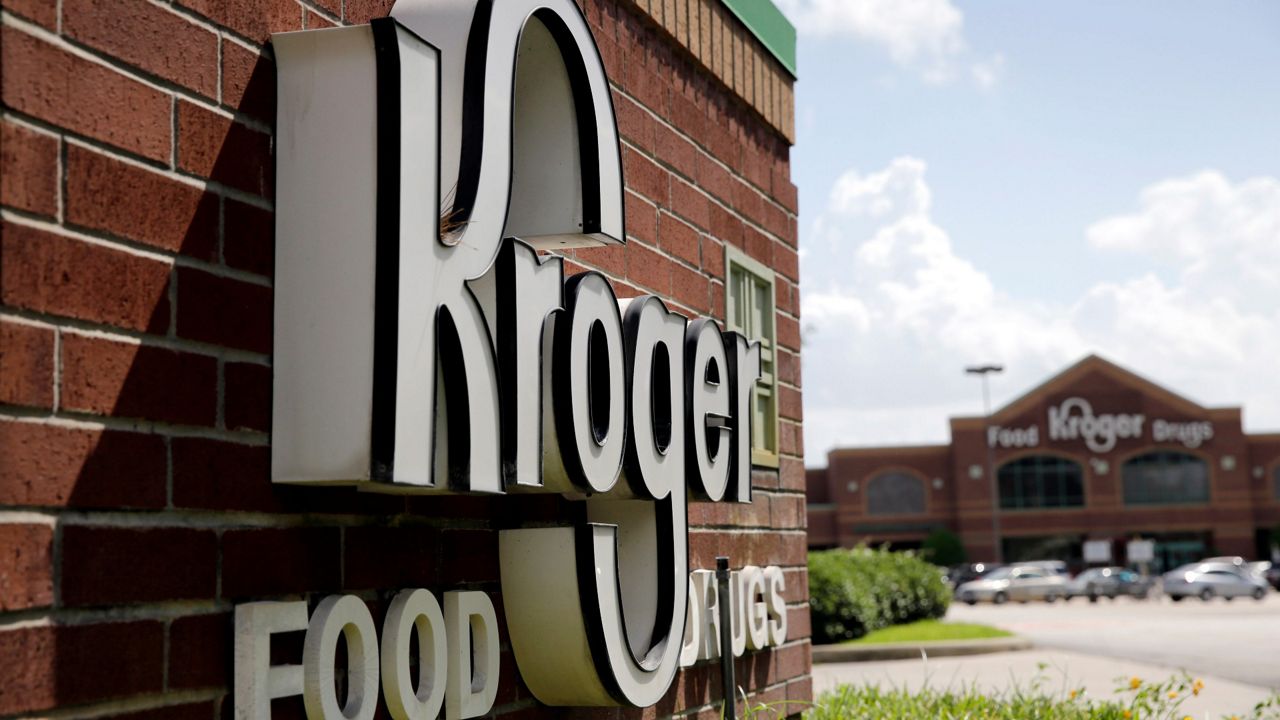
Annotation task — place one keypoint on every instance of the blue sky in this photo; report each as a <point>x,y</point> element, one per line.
<point>1026,183</point>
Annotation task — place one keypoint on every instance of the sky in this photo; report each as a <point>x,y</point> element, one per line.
<point>1025,183</point>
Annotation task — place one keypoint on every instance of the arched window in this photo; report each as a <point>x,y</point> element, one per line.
<point>1041,481</point>
<point>895,493</point>
<point>1165,477</point>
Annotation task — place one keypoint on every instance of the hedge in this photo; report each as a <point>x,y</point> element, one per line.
<point>852,592</point>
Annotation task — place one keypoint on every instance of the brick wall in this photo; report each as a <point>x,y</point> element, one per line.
<point>135,335</point>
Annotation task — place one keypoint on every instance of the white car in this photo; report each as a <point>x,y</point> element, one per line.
<point>1016,582</point>
<point>1208,580</point>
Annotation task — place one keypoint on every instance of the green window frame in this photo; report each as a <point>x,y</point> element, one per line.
<point>1165,477</point>
<point>1041,481</point>
<point>749,309</point>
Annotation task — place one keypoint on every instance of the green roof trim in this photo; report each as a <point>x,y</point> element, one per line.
<point>770,27</point>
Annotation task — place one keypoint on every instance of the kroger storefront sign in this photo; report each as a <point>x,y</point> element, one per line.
<point>1074,421</point>
<point>424,346</point>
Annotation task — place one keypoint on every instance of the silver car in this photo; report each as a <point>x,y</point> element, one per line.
<point>1016,582</point>
<point>1208,580</point>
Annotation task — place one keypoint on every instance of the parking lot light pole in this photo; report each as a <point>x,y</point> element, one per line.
<point>983,371</point>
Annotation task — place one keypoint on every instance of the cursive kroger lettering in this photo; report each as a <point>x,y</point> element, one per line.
<point>1074,420</point>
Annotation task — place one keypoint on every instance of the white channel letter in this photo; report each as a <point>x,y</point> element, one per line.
<point>744,370</point>
<point>340,616</point>
<point>257,682</point>
<point>473,654</point>
<point>707,392</point>
<point>414,612</point>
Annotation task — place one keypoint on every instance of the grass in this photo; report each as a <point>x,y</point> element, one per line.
<point>1134,699</point>
<point>929,631</point>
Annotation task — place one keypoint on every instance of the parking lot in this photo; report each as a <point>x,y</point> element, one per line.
<point>1238,640</point>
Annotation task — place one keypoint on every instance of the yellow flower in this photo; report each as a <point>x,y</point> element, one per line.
<point>1128,714</point>
<point>1173,694</point>
<point>1197,687</point>
<point>1073,694</point>
<point>1135,683</point>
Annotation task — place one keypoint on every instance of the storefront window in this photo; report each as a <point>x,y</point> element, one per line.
<point>1041,481</point>
<point>895,493</point>
<point>1165,478</point>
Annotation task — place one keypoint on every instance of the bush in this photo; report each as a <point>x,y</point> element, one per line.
<point>852,592</point>
<point>944,548</point>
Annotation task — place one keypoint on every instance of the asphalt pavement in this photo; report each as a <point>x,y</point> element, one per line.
<point>1238,641</point>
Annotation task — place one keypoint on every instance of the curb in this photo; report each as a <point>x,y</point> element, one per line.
<point>906,651</point>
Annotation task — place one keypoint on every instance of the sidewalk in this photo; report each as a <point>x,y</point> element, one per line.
<point>1065,671</point>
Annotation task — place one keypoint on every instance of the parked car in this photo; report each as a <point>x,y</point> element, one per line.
<point>1054,567</point>
<point>1208,580</point>
<point>1109,582</point>
<point>1015,582</point>
<point>964,572</point>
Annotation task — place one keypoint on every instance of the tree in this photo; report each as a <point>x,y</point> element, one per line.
<point>943,547</point>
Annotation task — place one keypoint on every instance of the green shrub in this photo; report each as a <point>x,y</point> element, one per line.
<point>852,592</point>
<point>944,548</point>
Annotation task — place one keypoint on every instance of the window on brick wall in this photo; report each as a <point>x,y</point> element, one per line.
<point>749,310</point>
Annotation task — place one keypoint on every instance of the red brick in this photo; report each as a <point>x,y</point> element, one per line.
<point>785,191</point>
<point>26,566</point>
<point>788,332</point>
<point>149,37</point>
<point>790,440</point>
<point>248,237</point>
<point>42,12</point>
<point>691,288</point>
<point>224,311</point>
<point>200,651</point>
<point>713,257</point>
<point>678,238</point>
<point>784,297</point>
<point>649,270</point>
<point>29,165</point>
<point>642,222</point>
<point>688,116</point>
<point>690,204</point>
<point>217,475</point>
<point>26,364</point>
<point>225,151</point>
<point>55,466</point>
<point>254,19</point>
<point>83,96</point>
<point>714,178</point>
<point>267,562</point>
<point>748,201</point>
<point>609,259</point>
<point>724,225</point>
<point>49,665</point>
<point>389,557</point>
<point>798,623</point>
<point>645,177</point>
<point>315,21</point>
<point>758,245</point>
<point>133,203</point>
<point>470,556</point>
<point>635,124</point>
<point>789,405</point>
<point>676,151</point>
<point>62,276</point>
<point>787,511</point>
<point>786,261</point>
<point>362,11</point>
<point>112,566</point>
<point>123,379</point>
<point>247,392</point>
<point>248,81</point>
<point>168,712</point>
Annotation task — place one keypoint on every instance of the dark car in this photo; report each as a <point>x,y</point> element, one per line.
<point>960,574</point>
<point>1109,582</point>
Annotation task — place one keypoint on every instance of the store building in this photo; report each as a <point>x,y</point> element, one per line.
<point>1094,453</point>
<point>220,294</point>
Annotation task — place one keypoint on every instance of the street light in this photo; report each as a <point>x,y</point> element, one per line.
<point>983,371</point>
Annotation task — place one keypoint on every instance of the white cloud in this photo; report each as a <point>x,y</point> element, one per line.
<point>893,313</point>
<point>926,36</point>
